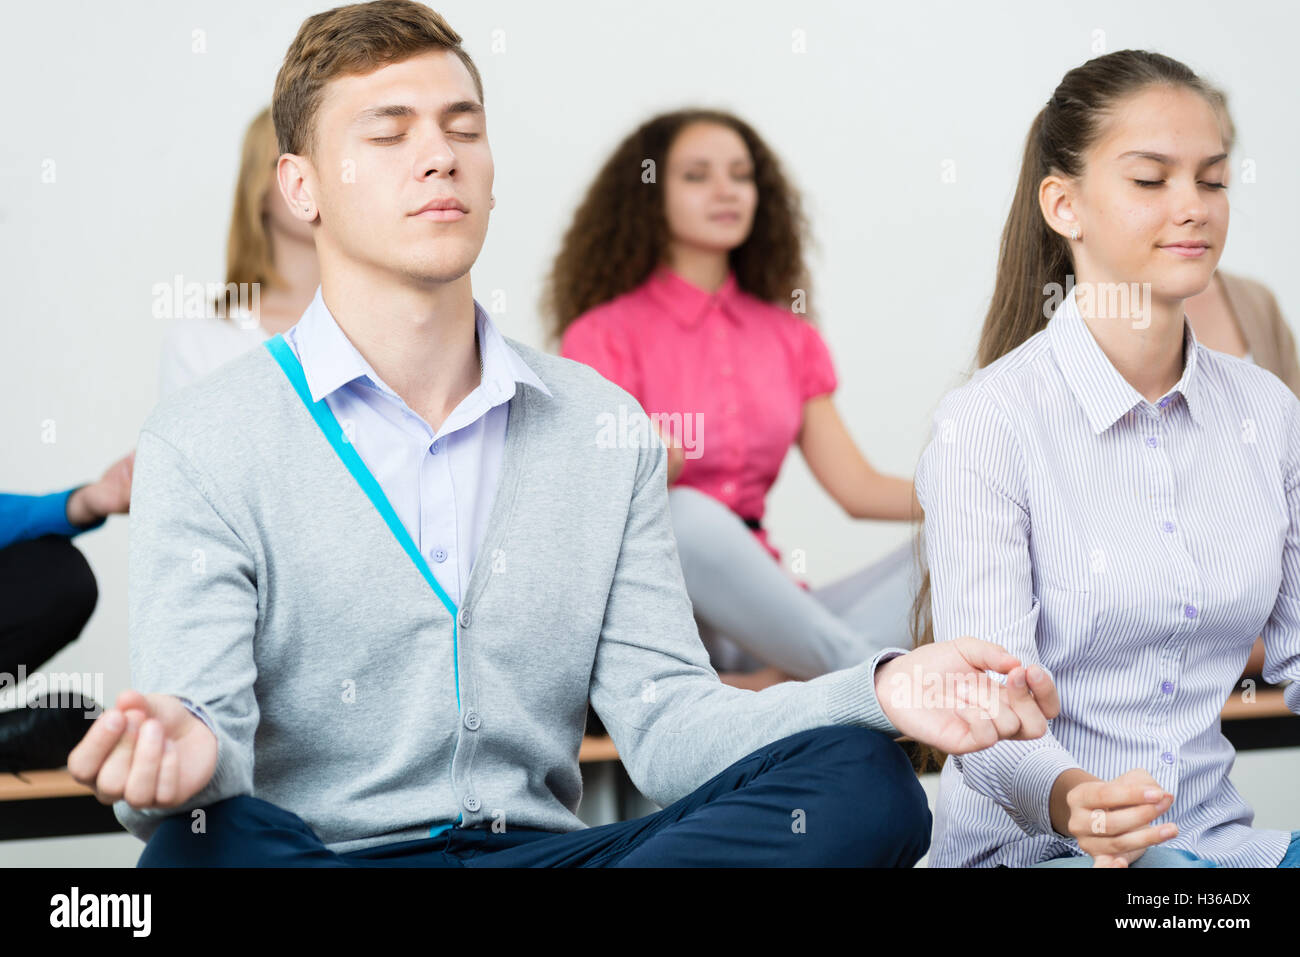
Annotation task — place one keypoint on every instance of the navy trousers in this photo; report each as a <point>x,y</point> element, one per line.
<point>832,796</point>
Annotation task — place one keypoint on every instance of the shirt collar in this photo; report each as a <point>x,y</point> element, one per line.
<point>330,361</point>
<point>1105,395</point>
<point>687,302</point>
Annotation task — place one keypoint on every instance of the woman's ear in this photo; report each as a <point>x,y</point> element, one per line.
<point>1056,200</point>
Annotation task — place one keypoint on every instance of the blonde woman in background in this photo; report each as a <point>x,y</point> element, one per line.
<point>267,246</point>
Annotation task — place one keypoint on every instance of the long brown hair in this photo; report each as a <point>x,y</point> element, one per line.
<point>1034,258</point>
<point>619,233</point>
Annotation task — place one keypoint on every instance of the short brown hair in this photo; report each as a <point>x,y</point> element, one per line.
<point>345,41</point>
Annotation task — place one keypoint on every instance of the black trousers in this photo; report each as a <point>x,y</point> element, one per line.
<point>47,593</point>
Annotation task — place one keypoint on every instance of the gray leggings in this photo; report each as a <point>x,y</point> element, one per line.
<point>752,614</point>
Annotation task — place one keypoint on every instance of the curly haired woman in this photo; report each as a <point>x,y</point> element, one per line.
<point>682,279</point>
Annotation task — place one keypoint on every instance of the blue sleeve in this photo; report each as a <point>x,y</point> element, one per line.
<point>31,516</point>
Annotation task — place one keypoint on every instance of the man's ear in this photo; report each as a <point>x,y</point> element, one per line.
<point>293,174</point>
<point>1056,196</point>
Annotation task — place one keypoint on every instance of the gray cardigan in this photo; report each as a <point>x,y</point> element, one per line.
<point>266,589</point>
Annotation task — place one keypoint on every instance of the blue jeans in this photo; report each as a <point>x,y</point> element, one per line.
<point>832,796</point>
<point>1158,856</point>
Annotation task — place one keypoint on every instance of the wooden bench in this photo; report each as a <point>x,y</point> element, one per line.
<point>51,804</point>
<point>1264,722</point>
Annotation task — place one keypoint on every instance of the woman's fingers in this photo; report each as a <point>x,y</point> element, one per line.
<point>1136,840</point>
<point>1111,795</point>
<point>1032,722</point>
<point>1110,822</point>
<point>1144,837</point>
<point>1044,691</point>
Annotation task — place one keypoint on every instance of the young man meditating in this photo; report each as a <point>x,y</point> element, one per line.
<point>379,567</point>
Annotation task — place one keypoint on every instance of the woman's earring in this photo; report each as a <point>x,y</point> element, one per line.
<point>1074,233</point>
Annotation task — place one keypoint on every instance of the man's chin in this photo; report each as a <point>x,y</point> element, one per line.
<point>435,273</point>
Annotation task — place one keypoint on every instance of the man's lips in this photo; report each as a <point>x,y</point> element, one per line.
<point>443,209</point>
<point>441,215</point>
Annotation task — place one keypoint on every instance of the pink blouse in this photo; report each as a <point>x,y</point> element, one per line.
<point>736,369</point>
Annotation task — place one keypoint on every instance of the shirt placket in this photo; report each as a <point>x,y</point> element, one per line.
<point>1185,602</point>
<point>438,515</point>
<point>729,406</point>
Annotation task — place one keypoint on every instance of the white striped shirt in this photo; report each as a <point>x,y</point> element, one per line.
<point>1134,550</point>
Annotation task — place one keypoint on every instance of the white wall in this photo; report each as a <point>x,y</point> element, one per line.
<point>144,137</point>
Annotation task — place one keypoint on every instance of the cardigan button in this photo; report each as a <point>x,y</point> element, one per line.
<point>464,618</point>
<point>471,803</point>
<point>472,720</point>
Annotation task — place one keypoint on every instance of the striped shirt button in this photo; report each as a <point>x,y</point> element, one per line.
<point>1169,526</point>
<point>1189,611</point>
<point>1152,441</point>
<point>1167,687</point>
<point>1167,757</point>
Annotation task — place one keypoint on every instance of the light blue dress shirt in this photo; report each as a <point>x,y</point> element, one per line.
<point>441,484</point>
<point>1135,550</point>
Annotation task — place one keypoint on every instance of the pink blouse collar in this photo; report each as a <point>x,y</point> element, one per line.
<point>688,302</point>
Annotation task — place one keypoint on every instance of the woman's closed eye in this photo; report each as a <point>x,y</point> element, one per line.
<point>1159,182</point>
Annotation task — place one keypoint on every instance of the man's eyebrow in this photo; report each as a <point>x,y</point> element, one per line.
<point>383,112</point>
<point>401,111</point>
<point>1167,161</point>
<point>462,106</point>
